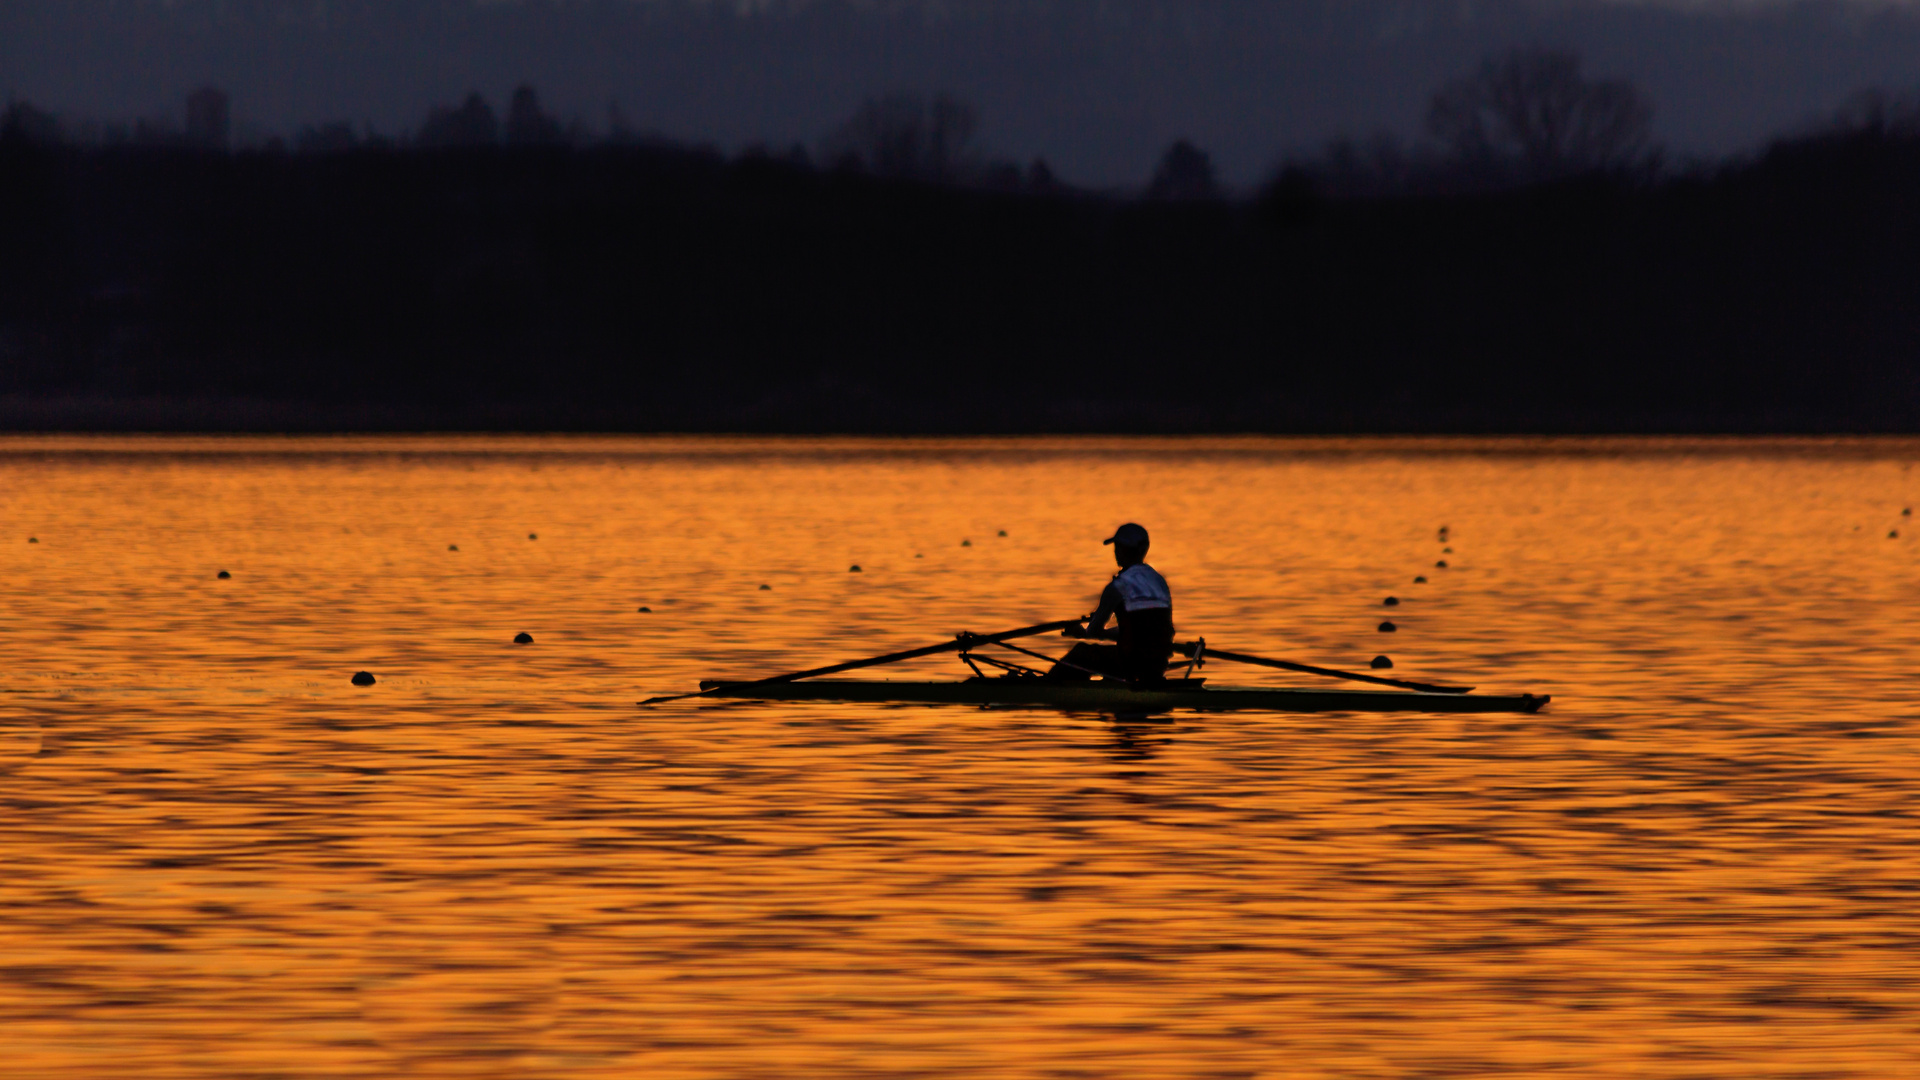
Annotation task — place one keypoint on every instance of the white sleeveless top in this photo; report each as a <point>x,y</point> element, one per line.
<point>1141,588</point>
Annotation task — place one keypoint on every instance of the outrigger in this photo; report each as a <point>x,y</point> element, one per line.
<point>1013,683</point>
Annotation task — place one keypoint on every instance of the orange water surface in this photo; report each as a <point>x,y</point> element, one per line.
<point>221,859</point>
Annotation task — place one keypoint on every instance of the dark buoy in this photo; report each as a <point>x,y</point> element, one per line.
<point>33,539</point>
<point>1421,580</point>
<point>917,555</point>
<point>966,543</point>
<point>854,569</point>
<point>766,588</point>
<point>1908,512</point>
<point>533,536</point>
<point>1387,628</point>
<point>1443,534</point>
<point>1891,533</point>
<point>363,678</point>
<point>1003,532</point>
<point>1442,564</point>
<point>223,575</point>
<point>453,547</point>
<point>1381,662</point>
<point>523,638</point>
<point>1391,601</point>
<point>646,611</point>
<point>1446,551</point>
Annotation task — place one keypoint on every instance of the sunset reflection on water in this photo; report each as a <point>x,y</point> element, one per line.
<point>223,860</point>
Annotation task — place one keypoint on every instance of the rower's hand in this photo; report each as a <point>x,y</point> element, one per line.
<point>1074,630</point>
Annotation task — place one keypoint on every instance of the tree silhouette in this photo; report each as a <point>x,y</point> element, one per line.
<point>527,125</point>
<point>1185,172</point>
<point>1877,113</point>
<point>472,124</point>
<point>1533,108</point>
<point>1040,177</point>
<point>333,137</point>
<point>208,123</point>
<point>23,123</point>
<point>907,137</point>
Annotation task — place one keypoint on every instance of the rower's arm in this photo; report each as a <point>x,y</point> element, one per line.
<point>1097,622</point>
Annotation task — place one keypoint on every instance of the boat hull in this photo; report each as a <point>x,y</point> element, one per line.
<point>1111,698</point>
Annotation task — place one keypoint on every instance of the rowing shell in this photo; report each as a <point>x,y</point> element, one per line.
<point>1120,698</point>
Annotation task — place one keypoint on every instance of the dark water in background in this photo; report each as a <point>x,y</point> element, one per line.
<point>222,860</point>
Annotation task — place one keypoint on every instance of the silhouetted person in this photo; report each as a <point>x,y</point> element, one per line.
<point>1138,597</point>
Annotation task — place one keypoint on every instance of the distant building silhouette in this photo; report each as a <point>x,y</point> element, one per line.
<point>208,123</point>
<point>472,124</point>
<point>1185,173</point>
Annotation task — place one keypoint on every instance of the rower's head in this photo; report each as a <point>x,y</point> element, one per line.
<point>1129,544</point>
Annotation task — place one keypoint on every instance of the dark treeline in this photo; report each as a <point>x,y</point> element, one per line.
<point>633,284</point>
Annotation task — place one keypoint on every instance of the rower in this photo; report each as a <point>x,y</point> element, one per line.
<point>1139,598</point>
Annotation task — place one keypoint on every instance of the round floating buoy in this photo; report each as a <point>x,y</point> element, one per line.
<point>1421,580</point>
<point>523,638</point>
<point>1908,512</point>
<point>1003,532</point>
<point>646,611</point>
<point>453,547</point>
<point>1441,565</point>
<point>1446,551</point>
<point>766,588</point>
<point>1443,534</point>
<point>33,539</point>
<point>533,536</point>
<point>1380,662</point>
<point>363,678</point>
<point>1391,601</point>
<point>854,569</point>
<point>966,543</point>
<point>917,555</point>
<point>1387,628</point>
<point>1891,533</point>
<point>223,575</point>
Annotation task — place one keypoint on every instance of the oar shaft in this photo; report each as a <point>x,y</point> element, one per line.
<point>960,641</point>
<point>1288,665</point>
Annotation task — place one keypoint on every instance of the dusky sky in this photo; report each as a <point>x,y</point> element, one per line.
<point>1099,87</point>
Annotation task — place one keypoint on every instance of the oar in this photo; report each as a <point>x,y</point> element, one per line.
<point>1288,665</point>
<point>962,640</point>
